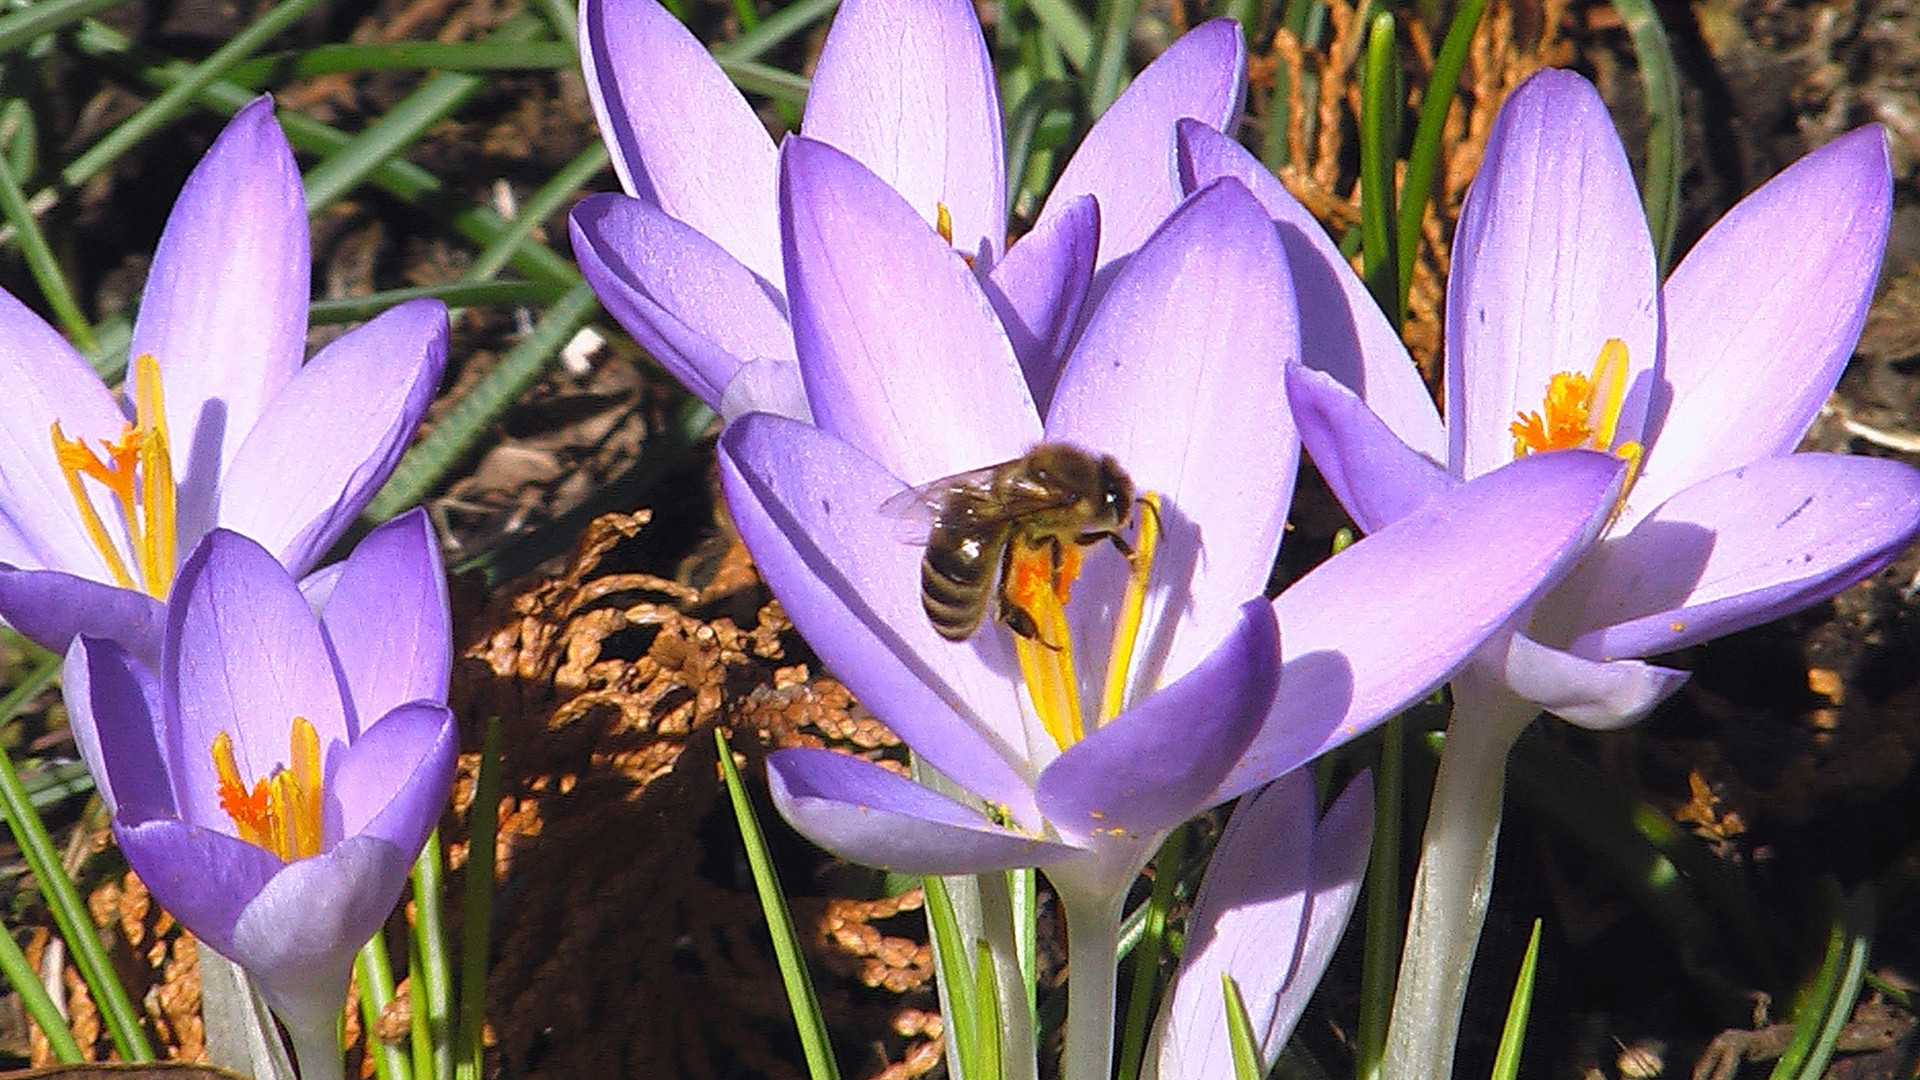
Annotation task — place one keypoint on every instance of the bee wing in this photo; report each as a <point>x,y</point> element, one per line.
<point>918,510</point>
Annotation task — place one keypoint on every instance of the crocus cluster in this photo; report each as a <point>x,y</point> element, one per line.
<point>274,750</point>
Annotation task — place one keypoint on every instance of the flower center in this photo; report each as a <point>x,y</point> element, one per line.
<point>1040,576</point>
<point>281,812</point>
<point>137,469</point>
<point>1581,412</point>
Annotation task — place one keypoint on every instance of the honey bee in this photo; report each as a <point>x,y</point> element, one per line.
<point>1033,506</point>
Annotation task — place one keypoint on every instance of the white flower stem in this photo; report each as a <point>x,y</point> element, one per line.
<point>1093,945</point>
<point>317,1049</point>
<point>1456,873</point>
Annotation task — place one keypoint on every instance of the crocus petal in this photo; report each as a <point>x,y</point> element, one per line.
<point>1551,260</point>
<point>689,303</point>
<point>1385,621</point>
<point>310,466</point>
<point>53,609</point>
<point>298,935</point>
<point>1271,909</point>
<point>245,655</point>
<point>1378,478</point>
<point>1192,336</point>
<point>771,386</point>
<point>47,381</point>
<point>874,817</point>
<point>681,137</point>
<point>908,90</point>
<point>225,307</point>
<point>1602,695</point>
<point>1742,548</point>
<point>392,782</point>
<point>1342,330</point>
<point>113,708</point>
<point>1154,765</point>
<point>1039,287</point>
<point>806,504</point>
<point>1755,340</point>
<point>901,353</point>
<point>388,621</point>
<point>203,877</point>
<point>1127,159</point>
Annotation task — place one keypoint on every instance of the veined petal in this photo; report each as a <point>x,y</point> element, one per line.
<point>47,381</point>
<point>1270,912</point>
<point>1378,478</point>
<point>225,307</point>
<point>203,877</point>
<point>245,655</point>
<point>297,935</point>
<point>693,306</point>
<point>53,609</point>
<point>1127,159</point>
<point>874,817</point>
<point>681,137</point>
<point>1384,622</point>
<point>310,465</point>
<point>1156,764</point>
<point>1740,549</point>
<point>1180,375</point>
<point>1601,695</point>
<point>901,353</point>
<point>1038,289</point>
<point>393,781</point>
<point>388,621</point>
<point>1755,341</point>
<point>113,707</point>
<point>1342,331</point>
<point>906,87</point>
<point>808,507</point>
<point>1551,260</point>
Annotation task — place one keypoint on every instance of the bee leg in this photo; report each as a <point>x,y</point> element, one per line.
<point>1020,621</point>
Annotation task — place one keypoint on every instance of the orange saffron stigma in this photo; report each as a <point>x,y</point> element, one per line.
<point>137,470</point>
<point>282,811</point>
<point>1583,412</point>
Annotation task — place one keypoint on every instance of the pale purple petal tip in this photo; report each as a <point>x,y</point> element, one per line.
<point>1127,160</point>
<point>1755,341</point>
<point>874,817</point>
<point>1342,330</point>
<point>1740,549</point>
<point>388,621</point>
<point>681,136</point>
<point>694,307</point>
<point>203,877</point>
<point>1552,259</point>
<point>1378,478</point>
<point>225,307</point>
<point>908,91</point>
<point>1601,695</point>
<point>393,781</point>
<point>1038,289</point>
<point>310,466</point>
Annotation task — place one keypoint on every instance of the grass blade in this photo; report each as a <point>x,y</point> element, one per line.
<point>1110,62</point>
<point>1423,159</point>
<point>476,925</point>
<point>375,974</point>
<point>1147,953</point>
<point>786,942</point>
<point>988,1049</point>
<point>40,261</point>
<point>957,984</point>
<point>1246,1050</point>
<point>26,982</point>
<point>1385,925</point>
<point>1380,104</point>
<point>1660,187</point>
<point>432,972</point>
<point>1513,1037</point>
<point>19,27</point>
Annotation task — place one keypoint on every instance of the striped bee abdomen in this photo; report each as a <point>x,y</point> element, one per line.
<point>955,575</point>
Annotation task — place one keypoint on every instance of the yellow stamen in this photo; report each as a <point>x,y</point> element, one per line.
<point>147,503</point>
<point>1126,629</point>
<point>943,221</point>
<point>1040,578</point>
<point>1579,410</point>
<point>282,811</point>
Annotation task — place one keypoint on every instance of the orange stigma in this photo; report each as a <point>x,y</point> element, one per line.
<point>281,812</point>
<point>137,470</point>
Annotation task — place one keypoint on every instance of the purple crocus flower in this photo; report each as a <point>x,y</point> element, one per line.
<point>689,259</point>
<point>1276,897</point>
<point>1207,690</point>
<point>1559,334</point>
<point>223,425</point>
<point>274,781</point>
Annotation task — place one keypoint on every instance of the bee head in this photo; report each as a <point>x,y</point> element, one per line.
<point>1116,492</point>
